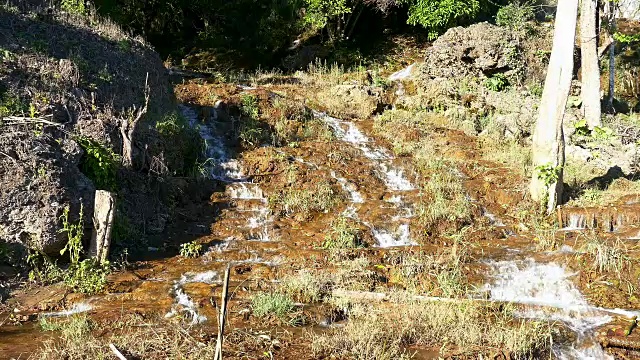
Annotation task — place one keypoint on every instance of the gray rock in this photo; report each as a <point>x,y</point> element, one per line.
<point>39,177</point>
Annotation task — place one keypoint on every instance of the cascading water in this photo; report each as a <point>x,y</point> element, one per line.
<point>392,176</point>
<point>183,301</point>
<point>549,294</point>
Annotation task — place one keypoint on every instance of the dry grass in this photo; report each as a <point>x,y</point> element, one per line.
<point>318,197</point>
<point>132,335</point>
<point>385,331</point>
<point>608,256</point>
<point>509,153</point>
<point>444,196</point>
<point>592,195</point>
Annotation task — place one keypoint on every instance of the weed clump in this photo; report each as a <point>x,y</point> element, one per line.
<point>190,249</point>
<point>344,234</point>
<point>319,197</point>
<point>182,143</point>
<point>272,304</point>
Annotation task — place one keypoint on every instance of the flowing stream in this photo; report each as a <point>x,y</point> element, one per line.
<point>544,289</point>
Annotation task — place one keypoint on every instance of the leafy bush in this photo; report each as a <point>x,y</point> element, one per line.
<point>87,276</point>
<point>73,6</point>
<point>269,304</point>
<point>343,235</point>
<point>497,82</point>
<point>182,144</point>
<point>190,249</point>
<point>515,16</point>
<point>99,163</point>
<point>438,15</point>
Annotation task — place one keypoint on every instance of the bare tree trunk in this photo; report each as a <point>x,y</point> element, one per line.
<point>103,214</point>
<point>612,52</point>
<point>548,138</point>
<point>128,127</point>
<point>590,68</point>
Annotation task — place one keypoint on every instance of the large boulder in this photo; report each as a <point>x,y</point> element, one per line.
<point>478,50</point>
<point>39,178</point>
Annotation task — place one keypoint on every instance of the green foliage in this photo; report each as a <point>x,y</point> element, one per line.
<point>536,90</point>
<point>237,33</point>
<point>599,133</point>
<point>272,304</point>
<point>11,104</point>
<point>87,276</point>
<point>99,163</point>
<point>626,39</point>
<point>319,12</point>
<point>438,15</point>
<point>497,82</point>
<point>250,131</point>
<point>74,235</point>
<point>250,106</point>
<point>343,235</point>
<point>181,143</point>
<point>191,249</point>
<point>515,16</point>
<point>548,173</point>
<point>73,6</point>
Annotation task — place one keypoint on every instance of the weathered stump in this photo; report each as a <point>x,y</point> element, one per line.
<point>103,214</point>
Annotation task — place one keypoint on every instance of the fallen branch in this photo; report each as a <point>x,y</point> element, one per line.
<point>26,120</point>
<point>116,352</point>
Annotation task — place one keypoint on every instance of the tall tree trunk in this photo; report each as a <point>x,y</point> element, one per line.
<point>612,52</point>
<point>590,68</point>
<point>548,138</point>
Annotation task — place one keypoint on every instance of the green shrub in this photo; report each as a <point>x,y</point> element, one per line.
<point>99,163</point>
<point>497,82</point>
<point>515,16</point>
<point>11,104</point>
<point>190,249</point>
<point>438,15</point>
<point>73,6</point>
<point>343,235</point>
<point>272,304</point>
<point>181,143</point>
<point>87,276</point>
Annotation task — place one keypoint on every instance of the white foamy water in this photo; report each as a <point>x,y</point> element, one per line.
<point>576,222</point>
<point>548,288</point>
<point>402,74</point>
<point>399,237</point>
<point>493,219</point>
<point>77,308</point>
<point>349,188</point>
<point>219,164</point>
<point>184,303</point>
<point>393,177</point>
<point>395,180</point>
<point>245,191</point>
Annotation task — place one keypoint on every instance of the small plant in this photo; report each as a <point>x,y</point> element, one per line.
<point>515,16</point>
<point>497,82</point>
<point>183,145</point>
<point>548,173</point>
<point>536,90</point>
<point>87,276</point>
<point>272,304</point>
<point>343,235</point>
<point>74,235</point>
<point>190,249</point>
<point>73,6</point>
<point>249,106</point>
<point>607,257</point>
<point>99,163</point>
<point>543,55</point>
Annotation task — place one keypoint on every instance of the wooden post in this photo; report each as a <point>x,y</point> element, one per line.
<point>103,213</point>
<point>223,314</point>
